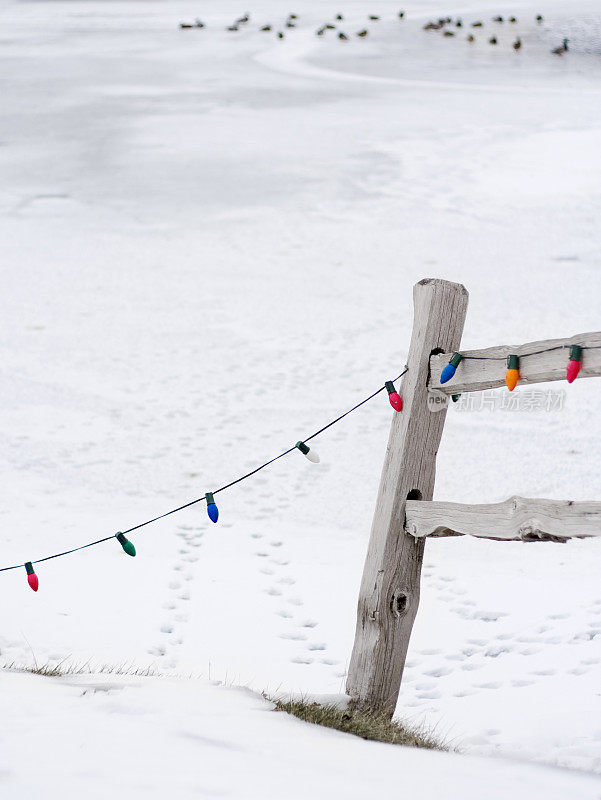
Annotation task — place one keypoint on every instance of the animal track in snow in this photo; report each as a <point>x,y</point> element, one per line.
<point>301,660</point>
<point>438,672</point>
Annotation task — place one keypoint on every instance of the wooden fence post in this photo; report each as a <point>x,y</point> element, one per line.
<point>389,593</point>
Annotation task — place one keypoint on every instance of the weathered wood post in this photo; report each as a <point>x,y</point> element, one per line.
<point>389,594</point>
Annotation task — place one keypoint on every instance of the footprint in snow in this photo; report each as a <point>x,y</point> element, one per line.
<point>301,660</point>
<point>433,695</point>
<point>439,672</point>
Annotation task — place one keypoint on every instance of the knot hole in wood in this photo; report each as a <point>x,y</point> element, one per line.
<point>399,603</point>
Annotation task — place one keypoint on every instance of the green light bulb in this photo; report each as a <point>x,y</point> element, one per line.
<point>125,544</point>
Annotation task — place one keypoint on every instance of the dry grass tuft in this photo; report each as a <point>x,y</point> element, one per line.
<point>62,669</point>
<point>375,727</point>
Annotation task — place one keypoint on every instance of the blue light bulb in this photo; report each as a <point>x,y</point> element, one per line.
<point>212,509</point>
<point>447,373</point>
<point>450,368</point>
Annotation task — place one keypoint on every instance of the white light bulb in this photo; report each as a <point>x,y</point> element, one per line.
<point>312,456</point>
<point>307,452</point>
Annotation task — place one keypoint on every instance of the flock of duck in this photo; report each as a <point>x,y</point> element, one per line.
<point>292,22</point>
<point>444,24</point>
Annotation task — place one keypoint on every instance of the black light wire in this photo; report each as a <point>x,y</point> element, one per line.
<point>215,491</point>
<point>525,355</point>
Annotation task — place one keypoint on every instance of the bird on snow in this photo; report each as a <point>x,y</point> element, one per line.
<point>266,28</point>
<point>492,40</point>
<point>539,18</point>
<point>280,35</point>
<point>342,36</point>
<point>432,26</point>
<point>198,24</point>
<point>185,25</point>
<point>233,28</point>
<point>517,44</point>
<point>290,24</point>
<point>401,14</point>
<point>477,24</point>
<point>339,16</point>
<point>292,16</point>
<point>320,31</point>
<point>513,19</point>
<point>243,19</point>
<point>330,27</point>
<point>497,19</point>
<point>471,38</point>
<point>561,50</point>
<point>448,33</point>
<point>459,24</point>
<point>373,17</point>
<point>363,33</point>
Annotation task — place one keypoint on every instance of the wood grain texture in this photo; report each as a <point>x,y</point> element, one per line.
<point>516,519</point>
<point>475,376</point>
<point>389,593</point>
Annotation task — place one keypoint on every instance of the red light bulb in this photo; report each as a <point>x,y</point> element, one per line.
<point>574,363</point>
<point>393,396</point>
<point>573,370</point>
<point>32,578</point>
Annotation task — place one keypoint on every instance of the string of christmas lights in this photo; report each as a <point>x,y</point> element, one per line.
<point>513,363</point>
<point>209,497</point>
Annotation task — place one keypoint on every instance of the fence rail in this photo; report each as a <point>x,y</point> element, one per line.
<point>516,519</point>
<point>539,362</point>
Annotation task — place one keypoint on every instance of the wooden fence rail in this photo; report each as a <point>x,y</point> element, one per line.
<point>405,514</point>
<point>485,369</point>
<point>517,519</point>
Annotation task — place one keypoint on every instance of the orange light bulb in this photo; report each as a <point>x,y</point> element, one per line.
<point>513,372</point>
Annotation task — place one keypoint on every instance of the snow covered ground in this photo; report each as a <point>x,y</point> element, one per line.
<point>209,241</point>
